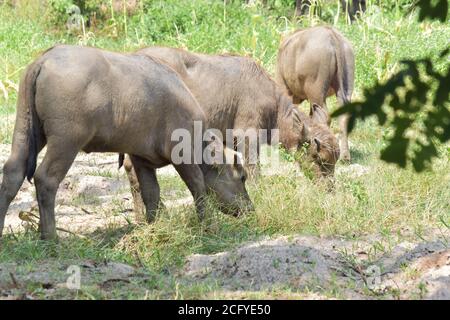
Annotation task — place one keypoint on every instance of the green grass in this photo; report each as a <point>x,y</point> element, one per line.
<point>385,201</point>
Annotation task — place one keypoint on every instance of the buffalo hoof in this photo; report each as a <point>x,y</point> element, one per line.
<point>49,236</point>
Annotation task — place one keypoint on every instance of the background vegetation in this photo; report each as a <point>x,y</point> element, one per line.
<point>419,101</point>
<point>383,202</point>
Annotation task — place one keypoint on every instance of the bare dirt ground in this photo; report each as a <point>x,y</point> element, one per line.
<point>95,195</point>
<point>301,267</point>
<point>93,186</point>
<point>407,271</point>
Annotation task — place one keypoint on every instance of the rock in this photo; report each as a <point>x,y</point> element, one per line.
<point>116,270</point>
<point>434,270</point>
<point>265,264</point>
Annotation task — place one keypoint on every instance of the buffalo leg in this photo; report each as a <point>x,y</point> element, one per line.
<point>251,164</point>
<point>344,98</point>
<point>149,187</point>
<point>316,95</point>
<point>13,176</point>
<point>49,175</point>
<point>192,175</point>
<point>14,172</point>
<point>343,129</point>
<point>343,139</point>
<point>138,203</point>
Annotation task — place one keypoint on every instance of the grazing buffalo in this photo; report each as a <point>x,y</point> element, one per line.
<point>313,64</point>
<point>78,98</point>
<point>236,93</point>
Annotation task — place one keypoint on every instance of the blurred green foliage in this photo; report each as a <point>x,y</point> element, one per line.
<point>413,104</point>
<point>429,9</point>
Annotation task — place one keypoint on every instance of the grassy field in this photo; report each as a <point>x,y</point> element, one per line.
<point>386,202</point>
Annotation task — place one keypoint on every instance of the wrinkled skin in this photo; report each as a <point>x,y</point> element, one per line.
<point>313,64</point>
<point>78,98</point>
<point>236,93</point>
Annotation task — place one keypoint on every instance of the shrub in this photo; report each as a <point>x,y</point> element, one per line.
<point>58,11</point>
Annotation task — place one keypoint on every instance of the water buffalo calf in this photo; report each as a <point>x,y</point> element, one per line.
<point>313,64</point>
<point>237,93</point>
<point>78,98</point>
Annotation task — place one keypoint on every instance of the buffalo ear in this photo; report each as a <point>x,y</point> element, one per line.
<point>318,114</point>
<point>297,123</point>
<point>314,108</point>
<point>318,143</point>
